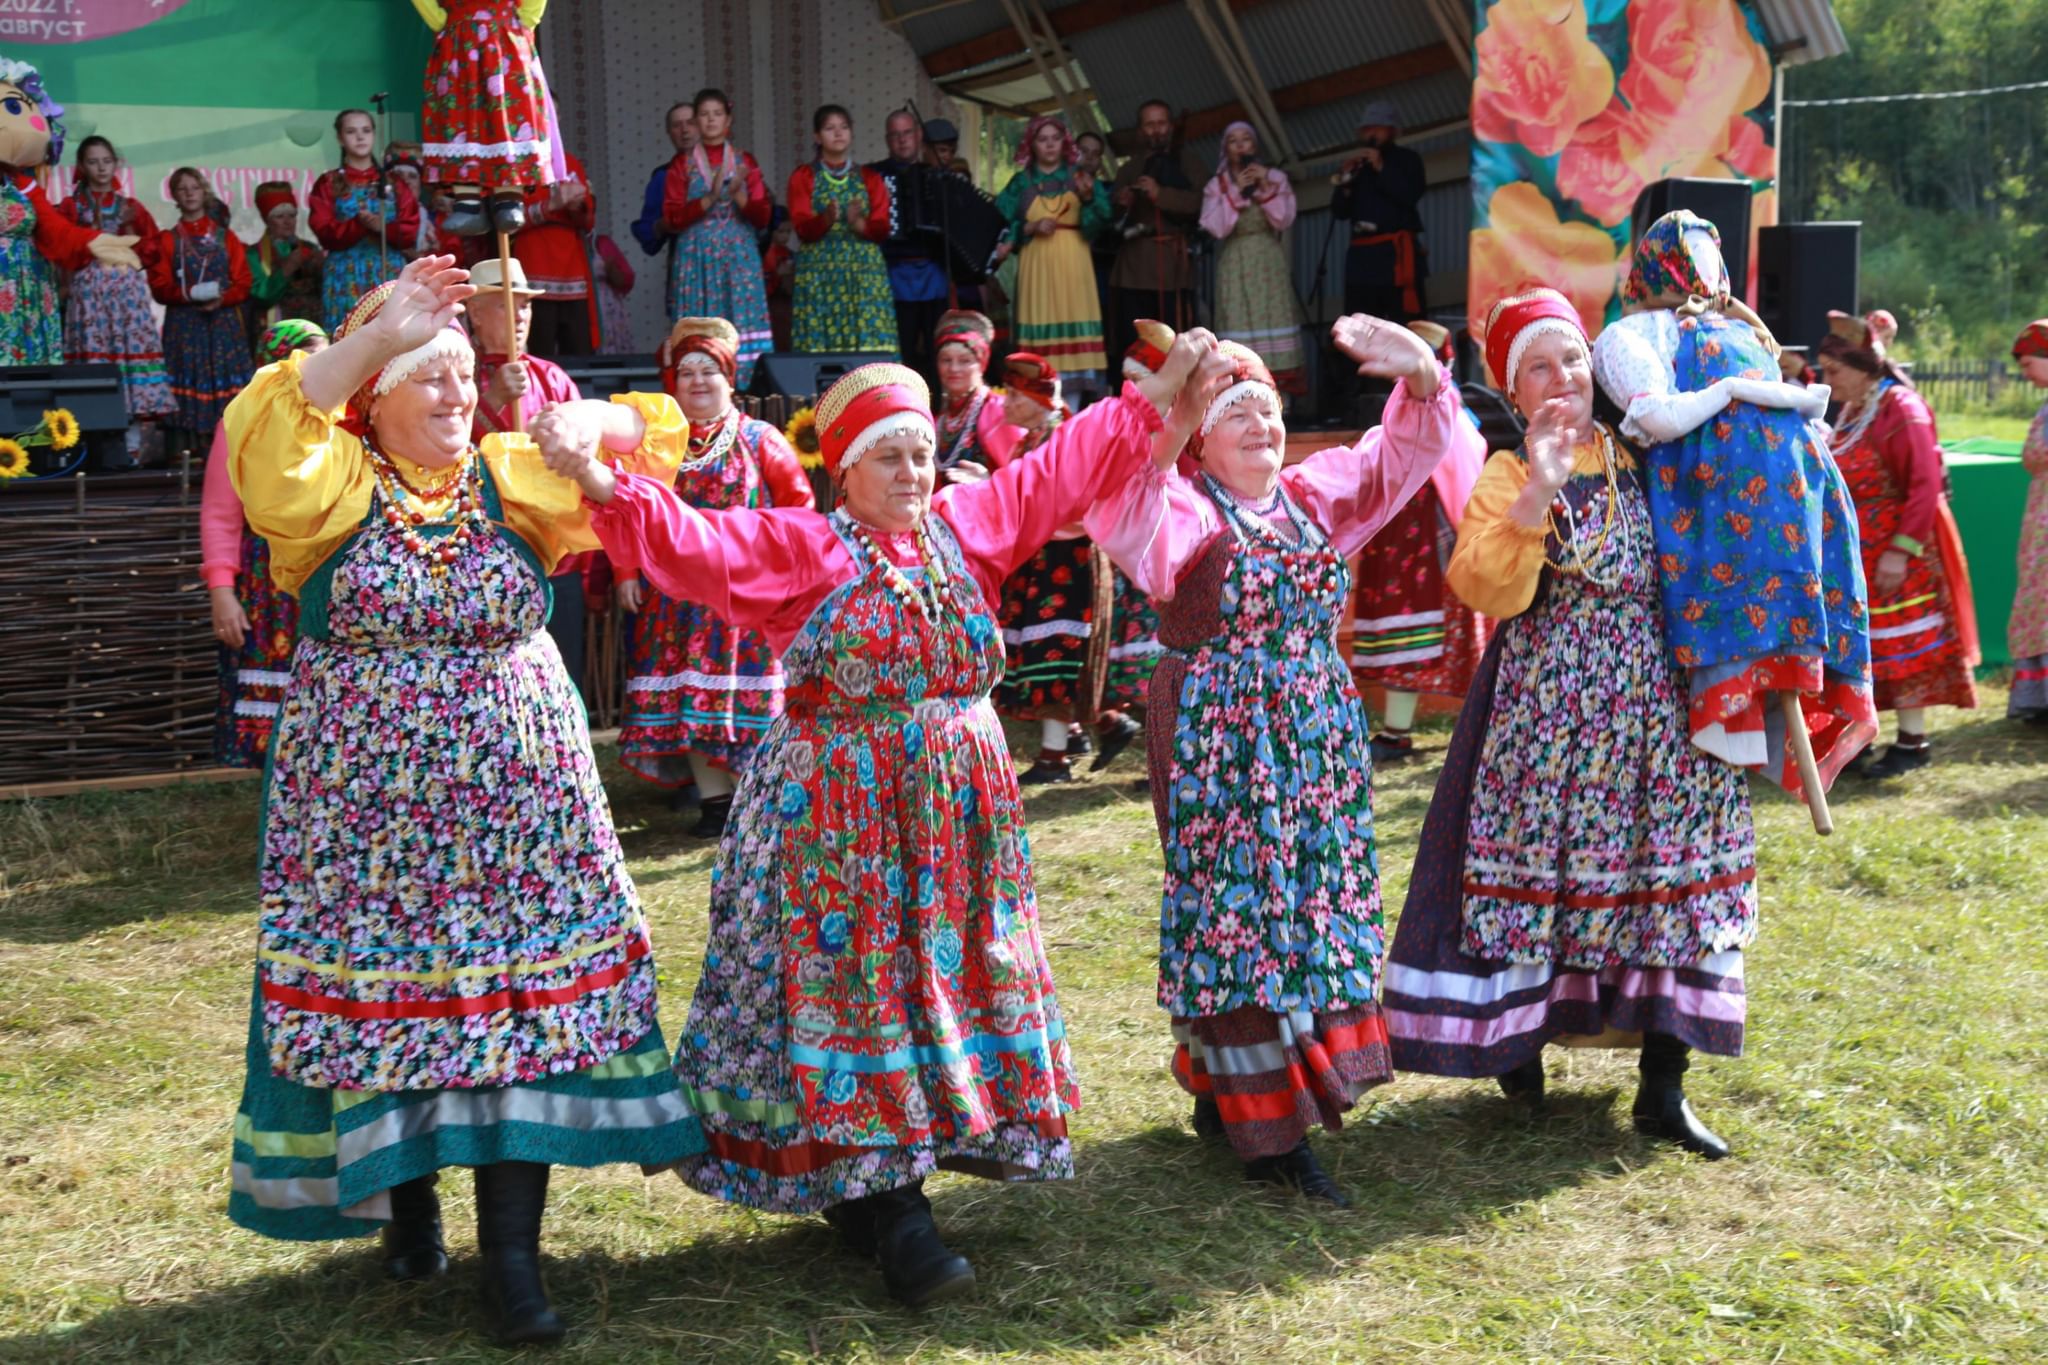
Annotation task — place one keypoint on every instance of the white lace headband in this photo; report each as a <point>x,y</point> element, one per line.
<point>876,432</point>
<point>446,342</point>
<point>1231,397</point>
<point>1519,347</point>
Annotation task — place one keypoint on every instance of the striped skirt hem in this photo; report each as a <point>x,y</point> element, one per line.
<point>1453,1023</point>
<point>1274,1077</point>
<point>317,1165</point>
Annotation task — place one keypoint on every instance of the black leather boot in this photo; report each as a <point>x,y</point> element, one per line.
<point>1661,1109</point>
<point>918,1268</point>
<point>854,1221</point>
<point>1208,1119</point>
<point>413,1249</point>
<point>711,816</point>
<point>1299,1171</point>
<point>509,1198</point>
<point>1524,1085</point>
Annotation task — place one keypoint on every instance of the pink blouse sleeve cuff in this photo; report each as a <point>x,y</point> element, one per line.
<point>220,519</point>
<point>1352,492</point>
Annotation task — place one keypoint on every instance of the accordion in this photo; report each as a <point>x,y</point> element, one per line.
<point>946,218</point>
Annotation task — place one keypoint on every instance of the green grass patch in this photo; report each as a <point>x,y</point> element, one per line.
<point>1888,1200</point>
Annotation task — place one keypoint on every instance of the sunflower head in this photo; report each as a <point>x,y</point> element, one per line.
<point>13,459</point>
<point>802,432</point>
<point>62,428</point>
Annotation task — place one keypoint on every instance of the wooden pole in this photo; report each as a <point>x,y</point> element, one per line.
<point>511,321</point>
<point>1809,771</point>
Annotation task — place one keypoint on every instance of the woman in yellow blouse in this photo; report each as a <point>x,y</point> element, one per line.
<point>1585,873</point>
<point>452,966</point>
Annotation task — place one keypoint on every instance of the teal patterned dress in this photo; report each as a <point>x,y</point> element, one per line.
<point>842,300</point>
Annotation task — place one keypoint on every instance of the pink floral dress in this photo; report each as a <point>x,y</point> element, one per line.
<point>2027,631</point>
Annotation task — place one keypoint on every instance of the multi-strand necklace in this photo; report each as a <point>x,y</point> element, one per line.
<point>405,507</point>
<point>953,428</point>
<point>928,600</point>
<point>715,445</point>
<point>1582,560</point>
<point>1253,512</point>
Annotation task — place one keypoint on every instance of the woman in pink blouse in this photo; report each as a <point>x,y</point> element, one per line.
<point>875,1002</point>
<point>255,621</point>
<point>1271,935</point>
<point>1246,206</point>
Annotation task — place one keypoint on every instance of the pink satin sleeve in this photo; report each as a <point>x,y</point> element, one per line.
<point>1152,527</point>
<point>1351,491</point>
<point>1002,521</point>
<point>998,438</point>
<point>762,568</point>
<point>220,518</point>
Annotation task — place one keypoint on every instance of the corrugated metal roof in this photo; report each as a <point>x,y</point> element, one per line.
<point>1157,54</point>
<point>1802,30</point>
<point>1298,40</point>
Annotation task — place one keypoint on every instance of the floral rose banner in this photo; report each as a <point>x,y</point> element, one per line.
<point>1576,106</point>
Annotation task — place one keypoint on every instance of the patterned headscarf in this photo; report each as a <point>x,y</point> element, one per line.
<point>1032,375</point>
<point>280,339</point>
<point>1026,146</point>
<point>965,327</point>
<point>2033,341</point>
<point>31,82</point>
<point>1678,265</point>
<point>714,337</point>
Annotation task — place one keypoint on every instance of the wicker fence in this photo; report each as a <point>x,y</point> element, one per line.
<point>107,661</point>
<point>108,667</point>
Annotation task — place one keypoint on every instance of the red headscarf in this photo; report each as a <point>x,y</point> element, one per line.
<point>714,337</point>
<point>1027,146</point>
<point>868,405</point>
<point>965,327</point>
<point>1032,375</point>
<point>2033,341</point>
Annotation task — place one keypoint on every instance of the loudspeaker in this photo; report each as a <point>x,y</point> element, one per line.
<point>601,376</point>
<point>804,376</point>
<point>1724,203</point>
<point>91,393</point>
<point>1803,270</point>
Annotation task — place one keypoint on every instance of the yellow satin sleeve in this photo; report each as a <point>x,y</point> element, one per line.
<point>547,512</point>
<point>305,484</point>
<point>432,12</point>
<point>1498,561</point>
<point>530,12</point>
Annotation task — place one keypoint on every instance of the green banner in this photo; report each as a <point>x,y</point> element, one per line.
<point>243,90</point>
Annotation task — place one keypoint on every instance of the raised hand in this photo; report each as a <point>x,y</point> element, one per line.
<point>1387,350</point>
<point>568,438</point>
<point>1548,444</point>
<point>429,296</point>
<point>110,250</point>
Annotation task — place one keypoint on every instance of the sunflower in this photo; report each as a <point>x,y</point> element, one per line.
<point>62,427</point>
<point>13,459</point>
<point>802,432</point>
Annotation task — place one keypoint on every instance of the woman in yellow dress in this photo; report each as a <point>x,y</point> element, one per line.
<point>1054,211</point>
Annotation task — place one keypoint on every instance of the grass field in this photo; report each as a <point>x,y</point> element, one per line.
<point>1888,1200</point>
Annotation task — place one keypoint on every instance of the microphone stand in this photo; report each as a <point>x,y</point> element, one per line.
<point>386,201</point>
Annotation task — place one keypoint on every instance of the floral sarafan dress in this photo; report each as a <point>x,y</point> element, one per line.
<point>1271,936</point>
<point>876,1003</point>
<point>1585,871</point>
<point>452,966</point>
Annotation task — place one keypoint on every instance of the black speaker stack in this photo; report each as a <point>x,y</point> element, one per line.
<point>1802,271</point>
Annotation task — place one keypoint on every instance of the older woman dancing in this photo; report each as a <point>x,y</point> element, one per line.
<point>876,1003</point>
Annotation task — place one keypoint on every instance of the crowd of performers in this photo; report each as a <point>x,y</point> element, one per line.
<point>453,968</point>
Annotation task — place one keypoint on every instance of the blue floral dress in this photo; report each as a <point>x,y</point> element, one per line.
<point>1270,933</point>
<point>715,272</point>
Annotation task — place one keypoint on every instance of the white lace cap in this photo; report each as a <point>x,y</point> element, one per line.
<point>895,424</point>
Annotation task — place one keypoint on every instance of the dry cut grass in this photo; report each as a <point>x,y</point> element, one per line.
<point>1887,1202</point>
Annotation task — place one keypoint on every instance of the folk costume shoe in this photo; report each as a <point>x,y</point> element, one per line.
<point>508,214</point>
<point>1904,756</point>
<point>466,217</point>
<point>1208,1120</point>
<point>917,1266</point>
<point>413,1249</point>
<point>1387,747</point>
<point>1299,1171</point>
<point>1661,1109</point>
<point>1524,1085</point>
<point>510,1196</point>
<point>711,816</point>
<point>1116,736</point>
<point>1051,767</point>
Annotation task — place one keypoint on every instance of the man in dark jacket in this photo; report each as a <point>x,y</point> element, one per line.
<point>916,278</point>
<point>1158,197</point>
<point>1379,192</point>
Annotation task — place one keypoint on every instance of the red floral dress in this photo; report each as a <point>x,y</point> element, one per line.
<point>485,113</point>
<point>1410,631</point>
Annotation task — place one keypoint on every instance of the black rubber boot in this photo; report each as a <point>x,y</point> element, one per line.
<point>1524,1085</point>
<point>1661,1109</point>
<point>918,1268</point>
<point>508,214</point>
<point>1208,1119</point>
<point>413,1249</point>
<point>711,815</point>
<point>1902,758</point>
<point>1116,737</point>
<point>509,1198</point>
<point>466,218</point>
<point>854,1221</point>
<point>1299,1171</point>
